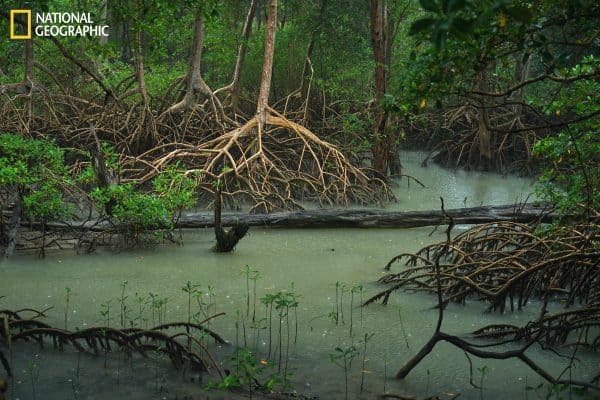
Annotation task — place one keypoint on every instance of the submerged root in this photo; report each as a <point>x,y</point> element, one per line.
<point>505,263</point>
<point>104,339</point>
<point>556,329</point>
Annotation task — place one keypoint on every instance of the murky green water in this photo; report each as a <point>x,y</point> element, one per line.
<point>313,260</point>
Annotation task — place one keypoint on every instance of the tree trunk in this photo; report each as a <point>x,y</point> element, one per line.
<point>226,240</point>
<point>104,177</point>
<point>484,135</point>
<point>267,70</point>
<point>241,55</point>
<point>28,60</point>
<point>342,218</point>
<point>194,77</point>
<point>306,71</point>
<point>384,151</point>
<point>139,65</point>
<point>103,40</point>
<point>522,62</point>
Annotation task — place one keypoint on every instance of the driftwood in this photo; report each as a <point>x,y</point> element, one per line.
<point>342,218</point>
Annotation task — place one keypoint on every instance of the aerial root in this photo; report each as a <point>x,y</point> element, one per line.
<point>552,330</point>
<point>505,263</point>
<point>129,340</point>
<point>274,168</point>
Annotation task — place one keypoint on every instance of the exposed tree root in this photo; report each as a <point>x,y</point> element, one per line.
<point>273,168</point>
<point>104,339</point>
<point>552,330</point>
<point>454,137</point>
<point>505,263</point>
<point>449,249</point>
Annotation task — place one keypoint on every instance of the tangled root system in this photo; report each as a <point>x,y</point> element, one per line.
<point>503,264</point>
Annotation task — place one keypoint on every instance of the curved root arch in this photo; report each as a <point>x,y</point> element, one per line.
<point>274,168</point>
<point>504,263</point>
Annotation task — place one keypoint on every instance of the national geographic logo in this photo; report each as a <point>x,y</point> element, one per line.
<point>62,24</point>
<point>13,14</point>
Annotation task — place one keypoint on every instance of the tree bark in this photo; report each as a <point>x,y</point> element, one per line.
<point>241,55</point>
<point>28,60</point>
<point>306,71</point>
<point>194,77</point>
<point>521,74</point>
<point>226,240</point>
<point>139,65</point>
<point>483,132</point>
<point>342,218</point>
<point>384,151</point>
<point>267,70</point>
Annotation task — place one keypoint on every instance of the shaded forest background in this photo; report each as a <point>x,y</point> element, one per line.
<point>205,90</point>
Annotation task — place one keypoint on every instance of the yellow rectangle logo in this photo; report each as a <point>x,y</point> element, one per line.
<point>13,13</point>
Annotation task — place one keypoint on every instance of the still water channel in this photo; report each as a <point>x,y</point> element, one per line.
<point>313,260</point>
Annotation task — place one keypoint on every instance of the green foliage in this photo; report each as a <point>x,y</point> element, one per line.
<point>176,190</point>
<point>139,211</point>
<point>35,170</point>
<point>343,357</point>
<point>143,211</point>
<point>571,179</point>
<point>247,370</point>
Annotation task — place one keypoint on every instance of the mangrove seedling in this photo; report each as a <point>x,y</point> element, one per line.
<point>254,278</point>
<point>483,372</point>
<point>268,300</point>
<point>337,306</point>
<point>354,289</point>
<point>123,304</point>
<point>141,303</point>
<point>190,289</point>
<point>284,301</point>
<point>34,374</point>
<point>342,357</point>
<point>105,312</point>
<point>366,338</point>
<point>67,298</point>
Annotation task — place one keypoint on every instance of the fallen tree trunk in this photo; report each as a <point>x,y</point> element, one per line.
<point>344,218</point>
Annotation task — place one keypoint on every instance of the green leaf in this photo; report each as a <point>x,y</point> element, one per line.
<point>421,25</point>
<point>430,5</point>
<point>455,5</point>
<point>520,13</point>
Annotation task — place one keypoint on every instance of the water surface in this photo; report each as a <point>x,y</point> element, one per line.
<point>313,260</point>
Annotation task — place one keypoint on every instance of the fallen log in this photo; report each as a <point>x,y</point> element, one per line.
<point>344,218</point>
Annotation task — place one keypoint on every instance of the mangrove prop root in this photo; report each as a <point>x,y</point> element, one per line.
<point>552,330</point>
<point>277,167</point>
<point>103,339</point>
<point>504,263</point>
<point>439,278</point>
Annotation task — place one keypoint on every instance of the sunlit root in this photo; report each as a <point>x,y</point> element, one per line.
<point>274,168</point>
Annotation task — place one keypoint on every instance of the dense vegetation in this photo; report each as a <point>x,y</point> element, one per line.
<point>267,105</point>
